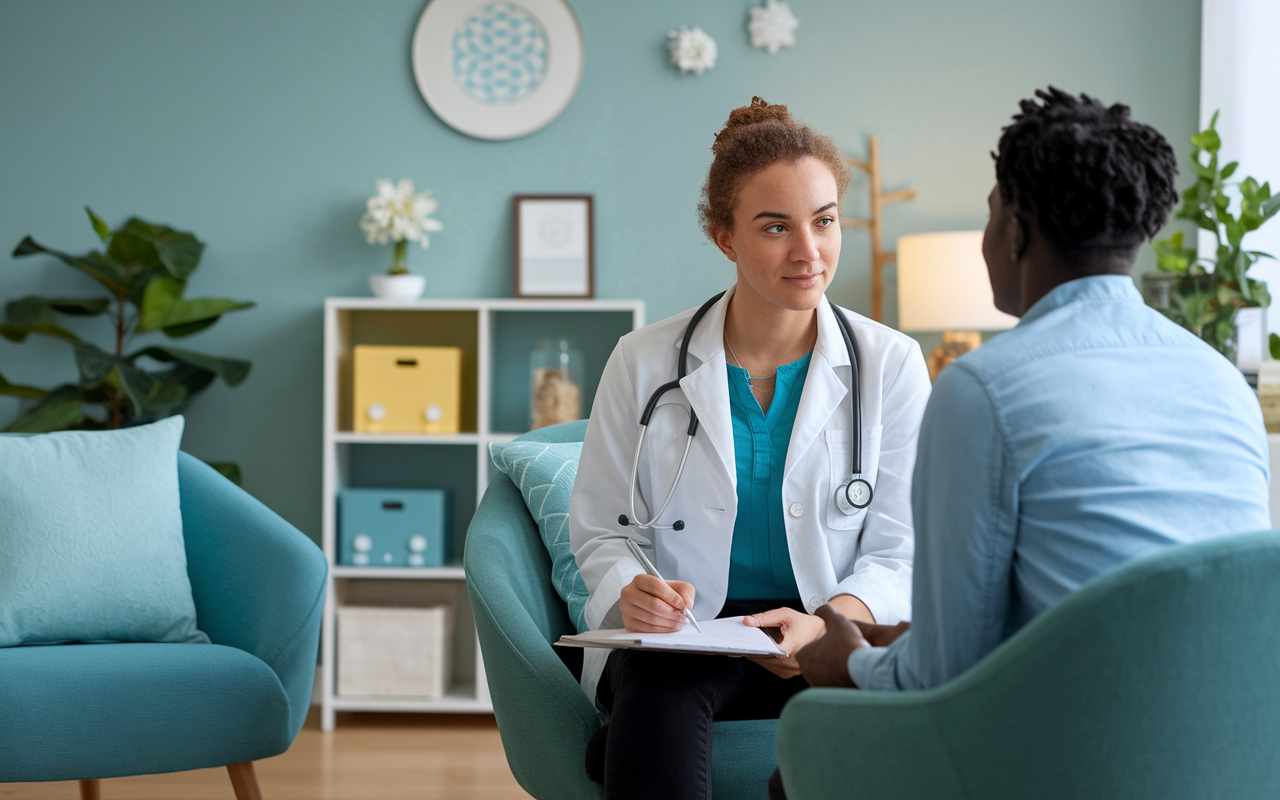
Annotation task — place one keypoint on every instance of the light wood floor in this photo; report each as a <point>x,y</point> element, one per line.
<point>369,757</point>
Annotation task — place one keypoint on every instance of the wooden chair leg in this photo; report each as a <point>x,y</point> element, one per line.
<point>91,790</point>
<point>245,781</point>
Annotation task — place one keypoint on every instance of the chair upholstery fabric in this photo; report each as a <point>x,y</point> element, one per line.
<point>1159,679</point>
<point>544,717</point>
<point>83,711</point>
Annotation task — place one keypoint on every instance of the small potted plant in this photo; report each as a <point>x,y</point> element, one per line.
<point>396,214</point>
<point>1203,295</point>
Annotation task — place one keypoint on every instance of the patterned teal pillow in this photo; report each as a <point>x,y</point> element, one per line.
<point>544,474</point>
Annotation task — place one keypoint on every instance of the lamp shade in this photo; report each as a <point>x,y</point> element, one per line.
<point>943,284</point>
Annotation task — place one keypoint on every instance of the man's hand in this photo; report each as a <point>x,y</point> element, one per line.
<point>881,635</point>
<point>797,631</point>
<point>825,661</point>
<point>651,605</point>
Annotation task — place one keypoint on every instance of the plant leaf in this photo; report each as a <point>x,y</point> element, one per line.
<point>157,246</point>
<point>1240,265</point>
<point>163,308</point>
<point>188,316</point>
<point>1269,207</point>
<point>158,297</point>
<point>57,412</point>
<point>1273,343</point>
<point>19,333</point>
<point>232,370</point>
<point>16,390</point>
<point>1229,170</point>
<point>94,264</point>
<point>93,363</point>
<point>1207,139</point>
<point>231,470</point>
<point>76,307</point>
<point>103,231</point>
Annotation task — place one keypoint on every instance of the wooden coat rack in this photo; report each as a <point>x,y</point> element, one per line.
<point>878,198</point>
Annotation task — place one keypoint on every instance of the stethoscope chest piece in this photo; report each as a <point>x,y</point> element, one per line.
<point>853,496</point>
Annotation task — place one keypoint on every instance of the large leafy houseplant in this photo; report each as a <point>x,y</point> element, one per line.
<point>1207,293</point>
<point>144,269</point>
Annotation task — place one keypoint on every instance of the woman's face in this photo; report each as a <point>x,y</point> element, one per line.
<point>786,234</point>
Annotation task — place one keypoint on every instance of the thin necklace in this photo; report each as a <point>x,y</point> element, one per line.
<point>744,369</point>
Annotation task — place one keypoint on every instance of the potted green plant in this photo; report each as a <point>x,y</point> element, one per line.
<point>396,214</point>
<point>1204,294</point>
<point>144,268</point>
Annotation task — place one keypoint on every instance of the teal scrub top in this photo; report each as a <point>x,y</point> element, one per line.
<point>759,560</point>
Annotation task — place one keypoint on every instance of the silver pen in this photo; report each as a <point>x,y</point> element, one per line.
<point>652,570</point>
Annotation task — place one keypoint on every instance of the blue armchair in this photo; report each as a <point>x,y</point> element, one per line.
<point>543,715</point>
<point>91,711</point>
<point>1160,679</point>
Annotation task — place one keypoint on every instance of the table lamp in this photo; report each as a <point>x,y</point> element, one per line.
<point>943,286</point>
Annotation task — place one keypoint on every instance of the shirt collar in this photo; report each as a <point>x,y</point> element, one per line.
<point>1083,290</point>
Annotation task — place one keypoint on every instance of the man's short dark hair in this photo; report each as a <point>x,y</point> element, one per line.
<point>1090,176</point>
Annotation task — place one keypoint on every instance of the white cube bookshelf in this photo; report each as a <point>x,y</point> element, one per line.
<point>497,337</point>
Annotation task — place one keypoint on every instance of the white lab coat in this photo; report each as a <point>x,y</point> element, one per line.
<point>822,539</point>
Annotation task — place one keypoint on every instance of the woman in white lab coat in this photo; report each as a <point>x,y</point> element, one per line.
<point>762,533</point>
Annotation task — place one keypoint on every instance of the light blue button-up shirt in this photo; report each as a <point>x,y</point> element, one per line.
<point>1093,433</point>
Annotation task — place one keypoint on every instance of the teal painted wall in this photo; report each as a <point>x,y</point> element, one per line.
<point>261,126</point>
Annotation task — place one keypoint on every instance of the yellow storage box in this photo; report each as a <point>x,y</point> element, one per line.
<point>407,389</point>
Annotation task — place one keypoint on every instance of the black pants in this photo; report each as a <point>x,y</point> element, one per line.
<point>661,705</point>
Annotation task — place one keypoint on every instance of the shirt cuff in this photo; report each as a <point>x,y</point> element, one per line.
<point>862,662</point>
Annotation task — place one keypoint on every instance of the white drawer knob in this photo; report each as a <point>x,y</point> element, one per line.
<point>377,412</point>
<point>433,413</point>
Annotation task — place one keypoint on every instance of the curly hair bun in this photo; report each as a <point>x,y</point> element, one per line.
<point>758,111</point>
<point>755,137</point>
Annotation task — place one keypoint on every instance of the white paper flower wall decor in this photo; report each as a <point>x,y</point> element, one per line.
<point>692,50</point>
<point>773,26</point>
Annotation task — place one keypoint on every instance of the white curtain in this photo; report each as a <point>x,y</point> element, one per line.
<point>1240,78</point>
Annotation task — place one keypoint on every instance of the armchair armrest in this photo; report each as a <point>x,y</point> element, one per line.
<point>850,743</point>
<point>258,582</point>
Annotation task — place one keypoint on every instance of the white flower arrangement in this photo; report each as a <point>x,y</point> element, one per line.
<point>692,50</point>
<point>772,27</point>
<point>396,214</point>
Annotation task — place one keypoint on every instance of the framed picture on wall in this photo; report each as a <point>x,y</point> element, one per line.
<point>554,246</point>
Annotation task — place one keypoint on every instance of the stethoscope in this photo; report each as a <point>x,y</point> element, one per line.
<point>851,496</point>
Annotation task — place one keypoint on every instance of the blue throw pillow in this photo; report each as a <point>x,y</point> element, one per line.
<point>545,474</point>
<point>91,543</point>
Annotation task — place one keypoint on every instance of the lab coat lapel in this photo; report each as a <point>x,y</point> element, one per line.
<point>824,389</point>
<point>707,384</point>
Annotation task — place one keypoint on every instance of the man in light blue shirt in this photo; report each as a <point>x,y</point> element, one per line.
<point>1093,433</point>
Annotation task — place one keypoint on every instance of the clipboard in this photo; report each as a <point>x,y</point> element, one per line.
<point>726,636</point>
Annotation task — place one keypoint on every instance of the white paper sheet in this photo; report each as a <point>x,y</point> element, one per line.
<point>726,636</point>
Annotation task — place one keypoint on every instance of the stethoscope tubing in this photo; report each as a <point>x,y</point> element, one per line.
<point>850,343</point>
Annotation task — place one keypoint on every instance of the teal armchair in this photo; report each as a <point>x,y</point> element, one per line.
<point>544,717</point>
<point>1158,680</point>
<point>91,711</point>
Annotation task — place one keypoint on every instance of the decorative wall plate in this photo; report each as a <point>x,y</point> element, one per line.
<point>495,69</point>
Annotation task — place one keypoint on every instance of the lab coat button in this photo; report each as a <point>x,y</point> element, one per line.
<point>797,510</point>
<point>814,602</point>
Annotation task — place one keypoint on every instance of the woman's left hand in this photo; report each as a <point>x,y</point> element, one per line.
<point>797,630</point>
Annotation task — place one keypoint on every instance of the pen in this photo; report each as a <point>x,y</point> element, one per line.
<point>652,570</point>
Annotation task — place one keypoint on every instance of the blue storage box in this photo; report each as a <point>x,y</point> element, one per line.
<point>395,527</point>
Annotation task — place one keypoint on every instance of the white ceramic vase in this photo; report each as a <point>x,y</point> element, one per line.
<point>398,287</point>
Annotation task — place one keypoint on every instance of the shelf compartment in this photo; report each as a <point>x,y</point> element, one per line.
<point>395,466</point>
<point>412,328</point>
<point>515,334</point>
<point>419,594</point>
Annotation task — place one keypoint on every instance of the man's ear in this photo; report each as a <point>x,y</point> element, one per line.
<point>1021,236</point>
<point>724,240</point>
